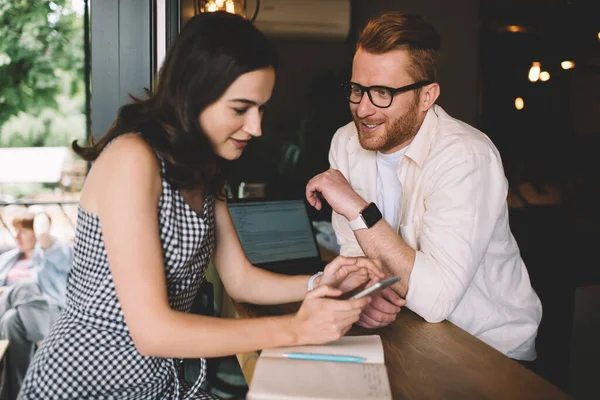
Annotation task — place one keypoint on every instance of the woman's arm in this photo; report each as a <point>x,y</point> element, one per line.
<point>123,188</point>
<point>246,283</point>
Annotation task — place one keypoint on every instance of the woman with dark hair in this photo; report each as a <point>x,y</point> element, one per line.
<point>151,217</point>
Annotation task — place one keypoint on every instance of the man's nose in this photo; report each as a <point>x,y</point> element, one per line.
<point>365,108</point>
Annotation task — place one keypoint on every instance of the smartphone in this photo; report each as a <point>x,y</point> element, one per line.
<point>376,287</point>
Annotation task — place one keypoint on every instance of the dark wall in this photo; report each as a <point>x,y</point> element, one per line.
<point>458,23</point>
<point>308,106</point>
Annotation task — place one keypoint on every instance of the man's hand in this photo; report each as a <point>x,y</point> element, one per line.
<point>335,189</point>
<point>382,309</point>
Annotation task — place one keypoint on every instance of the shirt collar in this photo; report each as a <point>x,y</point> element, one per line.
<point>354,146</point>
<point>419,148</point>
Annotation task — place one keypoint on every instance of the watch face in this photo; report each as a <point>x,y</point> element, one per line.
<point>371,215</point>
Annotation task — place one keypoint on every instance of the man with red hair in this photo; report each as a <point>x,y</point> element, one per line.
<point>425,194</point>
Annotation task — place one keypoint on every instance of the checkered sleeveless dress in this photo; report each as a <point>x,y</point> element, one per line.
<point>89,353</point>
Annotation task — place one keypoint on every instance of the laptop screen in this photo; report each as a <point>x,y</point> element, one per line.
<point>272,231</point>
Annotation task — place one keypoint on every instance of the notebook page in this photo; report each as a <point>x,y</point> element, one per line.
<point>367,346</point>
<point>283,379</point>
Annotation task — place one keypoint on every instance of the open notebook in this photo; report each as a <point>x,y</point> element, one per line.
<point>277,377</point>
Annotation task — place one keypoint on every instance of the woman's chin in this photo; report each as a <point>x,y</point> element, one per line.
<point>230,154</point>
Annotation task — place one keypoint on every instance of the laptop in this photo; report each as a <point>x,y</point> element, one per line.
<point>277,235</point>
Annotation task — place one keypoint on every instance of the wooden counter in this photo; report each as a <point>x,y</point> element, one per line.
<point>435,361</point>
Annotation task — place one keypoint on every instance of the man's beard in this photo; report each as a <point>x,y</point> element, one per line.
<point>399,131</point>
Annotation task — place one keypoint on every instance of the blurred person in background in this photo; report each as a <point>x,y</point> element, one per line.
<point>33,279</point>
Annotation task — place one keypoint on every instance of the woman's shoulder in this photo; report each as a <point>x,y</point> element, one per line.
<point>129,150</point>
<point>127,164</point>
<point>130,142</point>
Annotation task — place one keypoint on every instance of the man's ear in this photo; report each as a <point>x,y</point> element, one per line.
<point>429,95</point>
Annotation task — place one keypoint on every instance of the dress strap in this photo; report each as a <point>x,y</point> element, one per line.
<point>161,162</point>
<point>196,386</point>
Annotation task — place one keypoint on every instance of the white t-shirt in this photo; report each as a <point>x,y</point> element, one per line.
<point>389,188</point>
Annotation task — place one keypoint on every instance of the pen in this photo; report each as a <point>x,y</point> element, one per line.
<point>324,357</point>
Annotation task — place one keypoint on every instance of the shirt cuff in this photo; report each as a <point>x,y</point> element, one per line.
<point>424,289</point>
<point>351,250</point>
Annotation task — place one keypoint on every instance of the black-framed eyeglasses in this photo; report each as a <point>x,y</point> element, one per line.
<point>380,96</point>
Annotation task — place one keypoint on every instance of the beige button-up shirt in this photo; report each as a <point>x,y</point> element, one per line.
<point>453,212</point>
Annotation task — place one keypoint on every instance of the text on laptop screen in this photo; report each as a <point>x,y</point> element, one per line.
<point>274,230</point>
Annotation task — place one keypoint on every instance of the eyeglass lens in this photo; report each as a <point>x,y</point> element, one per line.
<point>381,97</point>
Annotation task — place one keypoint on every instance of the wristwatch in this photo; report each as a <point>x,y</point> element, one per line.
<point>367,217</point>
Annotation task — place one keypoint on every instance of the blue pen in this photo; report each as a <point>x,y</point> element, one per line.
<point>324,357</point>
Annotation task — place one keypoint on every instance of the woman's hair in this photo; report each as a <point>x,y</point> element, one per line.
<point>23,220</point>
<point>210,53</point>
<point>403,31</point>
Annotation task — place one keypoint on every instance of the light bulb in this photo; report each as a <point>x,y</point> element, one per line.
<point>544,76</point>
<point>230,6</point>
<point>567,64</point>
<point>519,103</point>
<point>534,71</point>
<point>515,28</point>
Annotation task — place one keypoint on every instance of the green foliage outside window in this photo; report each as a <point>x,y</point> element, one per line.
<point>41,73</point>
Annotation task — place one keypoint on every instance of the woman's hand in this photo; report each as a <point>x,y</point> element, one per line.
<point>348,273</point>
<point>322,319</point>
